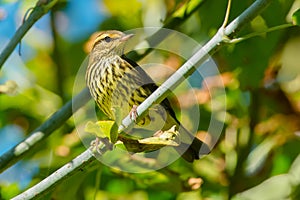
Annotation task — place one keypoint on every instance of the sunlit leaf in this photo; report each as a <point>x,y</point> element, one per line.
<point>277,187</point>
<point>258,156</point>
<point>282,186</point>
<point>165,138</point>
<point>103,128</point>
<point>113,133</point>
<point>128,7</point>
<point>10,191</point>
<point>159,140</point>
<point>259,24</point>
<point>296,17</point>
<point>8,88</point>
<point>100,129</point>
<point>115,127</point>
<point>295,171</point>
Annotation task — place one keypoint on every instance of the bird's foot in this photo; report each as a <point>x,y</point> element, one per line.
<point>101,145</point>
<point>133,113</point>
<point>95,145</point>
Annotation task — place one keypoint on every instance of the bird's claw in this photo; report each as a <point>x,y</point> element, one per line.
<point>101,145</point>
<point>133,113</point>
<point>95,146</point>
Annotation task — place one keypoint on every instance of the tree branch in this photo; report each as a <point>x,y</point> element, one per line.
<point>198,58</point>
<point>40,9</point>
<point>55,121</point>
<point>79,164</point>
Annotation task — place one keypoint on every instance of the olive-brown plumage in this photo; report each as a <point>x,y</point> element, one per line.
<point>116,81</point>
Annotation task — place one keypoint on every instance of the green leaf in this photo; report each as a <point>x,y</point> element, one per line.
<point>279,185</point>
<point>295,171</point>
<point>296,17</point>
<point>259,155</point>
<point>115,126</point>
<point>118,114</point>
<point>102,129</point>
<point>9,191</point>
<point>282,186</point>
<point>163,138</point>
<point>114,133</point>
<point>159,140</point>
<point>9,87</point>
<point>94,128</point>
<point>187,8</point>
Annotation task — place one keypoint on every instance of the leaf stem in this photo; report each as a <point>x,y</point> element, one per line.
<point>227,14</point>
<point>251,35</point>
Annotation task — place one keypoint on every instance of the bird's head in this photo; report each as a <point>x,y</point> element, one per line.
<point>110,42</point>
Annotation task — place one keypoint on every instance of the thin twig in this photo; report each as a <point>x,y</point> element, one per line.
<point>227,14</point>
<point>23,21</point>
<point>38,11</point>
<point>251,35</point>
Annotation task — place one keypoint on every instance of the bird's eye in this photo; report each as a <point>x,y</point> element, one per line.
<point>107,39</point>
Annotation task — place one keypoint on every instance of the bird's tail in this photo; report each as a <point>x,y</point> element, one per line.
<point>191,148</point>
<point>194,149</point>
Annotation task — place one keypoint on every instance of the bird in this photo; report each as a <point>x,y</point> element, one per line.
<point>114,80</point>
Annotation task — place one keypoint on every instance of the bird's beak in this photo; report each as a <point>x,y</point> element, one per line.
<point>126,37</point>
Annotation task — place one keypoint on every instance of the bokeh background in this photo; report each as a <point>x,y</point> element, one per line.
<point>257,156</point>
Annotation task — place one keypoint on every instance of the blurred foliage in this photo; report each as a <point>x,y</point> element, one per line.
<point>257,155</point>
